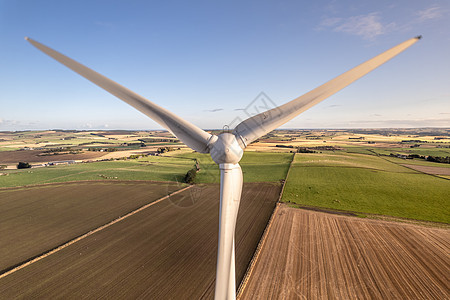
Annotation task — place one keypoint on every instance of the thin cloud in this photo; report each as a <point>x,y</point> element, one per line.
<point>9,122</point>
<point>213,110</point>
<point>423,16</point>
<point>366,26</point>
<point>330,22</point>
<point>334,105</point>
<point>430,13</point>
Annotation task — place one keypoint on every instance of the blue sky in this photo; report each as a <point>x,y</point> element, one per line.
<point>207,60</point>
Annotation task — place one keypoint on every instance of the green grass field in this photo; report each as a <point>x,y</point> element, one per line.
<point>150,168</point>
<point>359,149</point>
<point>366,184</point>
<point>257,167</point>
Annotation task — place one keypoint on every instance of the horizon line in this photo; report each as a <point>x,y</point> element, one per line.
<point>217,129</point>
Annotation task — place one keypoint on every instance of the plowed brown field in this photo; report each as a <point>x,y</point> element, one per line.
<point>429,169</point>
<point>36,219</point>
<point>314,255</point>
<point>167,251</point>
<point>32,156</point>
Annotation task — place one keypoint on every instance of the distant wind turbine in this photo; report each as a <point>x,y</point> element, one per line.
<point>227,148</point>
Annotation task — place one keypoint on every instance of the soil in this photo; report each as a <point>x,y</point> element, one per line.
<point>32,156</point>
<point>315,255</point>
<point>430,169</point>
<point>167,251</point>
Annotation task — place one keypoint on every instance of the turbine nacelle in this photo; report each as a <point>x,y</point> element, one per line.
<point>225,149</point>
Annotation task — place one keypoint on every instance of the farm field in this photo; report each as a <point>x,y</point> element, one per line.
<point>313,255</point>
<point>149,168</point>
<point>416,162</point>
<point>257,167</point>
<point>36,219</point>
<point>13,157</point>
<point>366,184</point>
<point>165,251</point>
<point>430,169</point>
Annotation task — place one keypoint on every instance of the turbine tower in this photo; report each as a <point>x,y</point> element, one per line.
<point>227,148</point>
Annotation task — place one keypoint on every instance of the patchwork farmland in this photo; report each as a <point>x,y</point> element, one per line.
<point>168,250</point>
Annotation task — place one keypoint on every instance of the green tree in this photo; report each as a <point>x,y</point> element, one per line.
<point>23,165</point>
<point>190,176</point>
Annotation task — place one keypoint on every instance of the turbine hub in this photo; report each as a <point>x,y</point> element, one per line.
<point>226,149</point>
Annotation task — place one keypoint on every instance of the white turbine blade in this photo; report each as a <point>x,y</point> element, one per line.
<point>230,196</point>
<point>257,126</point>
<point>189,134</point>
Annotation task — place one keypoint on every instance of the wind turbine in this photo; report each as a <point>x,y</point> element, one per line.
<point>227,148</point>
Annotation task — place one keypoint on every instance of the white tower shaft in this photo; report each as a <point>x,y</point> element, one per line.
<point>230,196</point>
